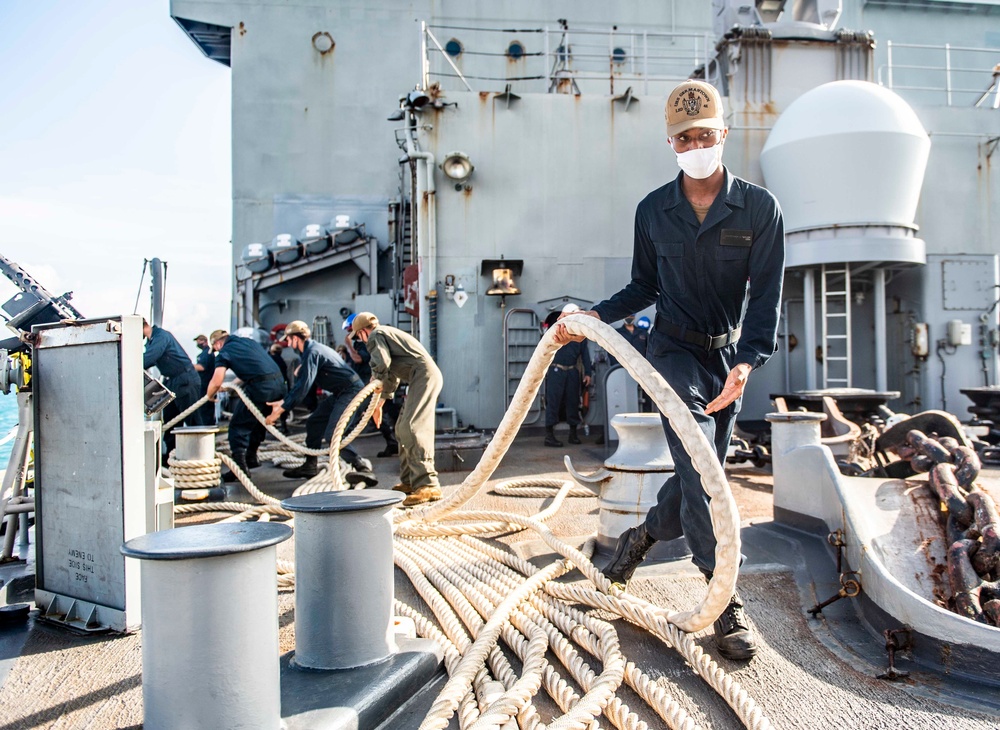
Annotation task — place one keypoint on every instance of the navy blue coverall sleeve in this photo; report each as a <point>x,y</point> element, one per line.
<point>767,264</point>
<point>303,380</point>
<point>155,347</point>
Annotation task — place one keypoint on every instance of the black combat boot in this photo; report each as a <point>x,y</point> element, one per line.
<point>550,438</point>
<point>573,437</point>
<point>633,544</point>
<point>733,636</point>
<point>252,461</point>
<point>240,457</point>
<point>308,469</point>
<point>362,474</point>
<point>391,449</point>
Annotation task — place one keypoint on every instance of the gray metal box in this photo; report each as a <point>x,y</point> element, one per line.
<point>92,489</point>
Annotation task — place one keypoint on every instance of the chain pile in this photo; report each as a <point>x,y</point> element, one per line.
<point>970,522</point>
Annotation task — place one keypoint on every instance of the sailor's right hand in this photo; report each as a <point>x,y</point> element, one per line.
<point>276,411</point>
<point>377,413</point>
<point>563,337</point>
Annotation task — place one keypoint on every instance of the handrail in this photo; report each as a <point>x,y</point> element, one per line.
<point>932,68</point>
<point>638,57</point>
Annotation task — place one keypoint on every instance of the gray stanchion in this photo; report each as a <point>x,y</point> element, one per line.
<point>343,578</point>
<point>210,654</point>
<point>195,443</point>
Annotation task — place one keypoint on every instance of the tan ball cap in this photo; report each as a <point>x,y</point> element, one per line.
<point>217,335</point>
<point>693,104</point>
<point>297,327</point>
<point>363,320</point>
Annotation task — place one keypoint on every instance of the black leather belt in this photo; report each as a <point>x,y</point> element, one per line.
<point>261,378</point>
<point>709,342</point>
<point>563,367</point>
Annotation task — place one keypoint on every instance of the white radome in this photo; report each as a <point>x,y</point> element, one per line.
<point>846,153</point>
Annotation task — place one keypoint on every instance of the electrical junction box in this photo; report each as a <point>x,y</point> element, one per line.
<point>93,490</point>
<point>959,333</point>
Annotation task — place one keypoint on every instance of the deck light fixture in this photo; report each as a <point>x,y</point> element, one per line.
<point>458,167</point>
<point>417,99</point>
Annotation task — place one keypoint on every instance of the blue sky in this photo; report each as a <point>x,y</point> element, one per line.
<point>115,148</point>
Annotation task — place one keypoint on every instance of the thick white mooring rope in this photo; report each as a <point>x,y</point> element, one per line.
<point>480,593</point>
<point>725,516</point>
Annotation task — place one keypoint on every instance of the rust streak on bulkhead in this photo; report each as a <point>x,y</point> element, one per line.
<point>984,170</point>
<point>756,121</point>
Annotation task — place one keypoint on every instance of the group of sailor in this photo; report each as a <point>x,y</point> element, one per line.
<point>378,351</point>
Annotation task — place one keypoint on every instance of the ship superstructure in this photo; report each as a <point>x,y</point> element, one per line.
<point>471,172</point>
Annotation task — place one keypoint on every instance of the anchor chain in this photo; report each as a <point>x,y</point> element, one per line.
<point>970,519</point>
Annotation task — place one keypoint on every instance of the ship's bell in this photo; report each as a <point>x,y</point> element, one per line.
<point>503,284</point>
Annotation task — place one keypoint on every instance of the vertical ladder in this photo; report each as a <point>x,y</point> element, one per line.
<point>404,257</point>
<point>321,331</point>
<point>521,333</point>
<point>836,316</point>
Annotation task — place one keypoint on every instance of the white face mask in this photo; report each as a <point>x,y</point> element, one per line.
<point>702,162</point>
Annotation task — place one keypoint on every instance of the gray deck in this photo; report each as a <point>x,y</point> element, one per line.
<point>809,673</point>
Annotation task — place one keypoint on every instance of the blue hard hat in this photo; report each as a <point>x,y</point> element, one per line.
<point>348,322</point>
<point>643,322</point>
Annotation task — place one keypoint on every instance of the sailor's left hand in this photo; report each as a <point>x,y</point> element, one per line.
<point>736,382</point>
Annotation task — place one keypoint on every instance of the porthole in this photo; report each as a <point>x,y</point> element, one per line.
<point>453,48</point>
<point>515,51</point>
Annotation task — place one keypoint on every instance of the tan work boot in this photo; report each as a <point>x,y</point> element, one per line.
<point>421,495</point>
<point>404,488</point>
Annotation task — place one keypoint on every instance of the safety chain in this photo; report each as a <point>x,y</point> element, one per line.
<point>971,522</point>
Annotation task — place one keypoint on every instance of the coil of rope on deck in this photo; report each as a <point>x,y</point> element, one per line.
<point>480,593</point>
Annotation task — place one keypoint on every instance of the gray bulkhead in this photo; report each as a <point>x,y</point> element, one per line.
<point>558,175</point>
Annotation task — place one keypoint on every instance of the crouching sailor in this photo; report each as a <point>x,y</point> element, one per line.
<point>261,381</point>
<point>322,367</point>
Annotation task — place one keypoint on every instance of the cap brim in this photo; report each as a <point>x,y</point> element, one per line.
<point>715,123</point>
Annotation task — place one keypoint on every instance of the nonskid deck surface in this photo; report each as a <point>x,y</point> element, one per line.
<point>809,672</point>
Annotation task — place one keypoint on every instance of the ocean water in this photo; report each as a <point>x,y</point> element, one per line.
<point>8,426</point>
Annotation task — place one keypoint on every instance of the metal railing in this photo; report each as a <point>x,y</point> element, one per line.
<point>559,60</point>
<point>954,75</point>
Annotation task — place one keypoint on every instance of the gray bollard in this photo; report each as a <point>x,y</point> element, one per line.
<point>343,578</point>
<point>210,654</point>
<point>195,443</point>
<point>629,483</point>
<point>795,492</point>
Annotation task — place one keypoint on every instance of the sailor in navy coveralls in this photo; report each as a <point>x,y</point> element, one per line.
<point>322,368</point>
<point>165,352</point>
<point>562,385</point>
<point>261,381</point>
<point>709,251</point>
